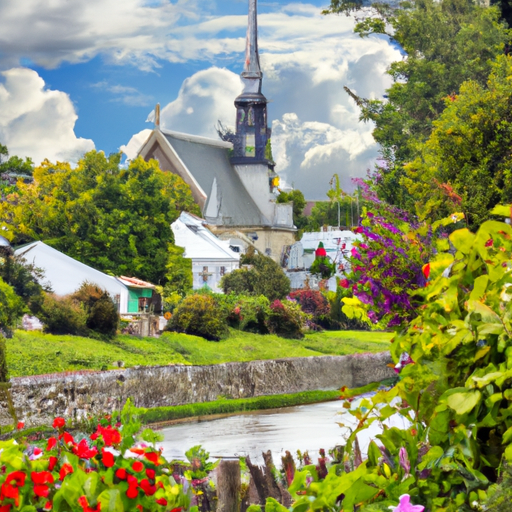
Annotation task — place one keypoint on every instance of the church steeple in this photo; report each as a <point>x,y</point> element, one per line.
<point>252,133</point>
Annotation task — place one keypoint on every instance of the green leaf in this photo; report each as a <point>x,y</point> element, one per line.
<point>479,287</point>
<point>273,505</point>
<point>463,240</point>
<point>111,501</point>
<point>463,402</point>
<point>502,210</point>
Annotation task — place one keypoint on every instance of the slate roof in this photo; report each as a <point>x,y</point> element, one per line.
<point>207,160</point>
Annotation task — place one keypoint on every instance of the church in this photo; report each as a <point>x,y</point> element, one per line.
<point>232,179</point>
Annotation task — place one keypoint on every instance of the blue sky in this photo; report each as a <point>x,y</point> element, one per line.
<point>86,74</point>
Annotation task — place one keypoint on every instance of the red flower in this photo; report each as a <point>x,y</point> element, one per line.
<point>489,243</point>
<point>41,490</point>
<point>68,438</point>
<point>147,487</point>
<point>121,473</point>
<point>51,444</point>
<point>359,229</point>
<point>132,492</point>
<point>150,473</point>
<point>108,458</point>
<point>5,508</point>
<point>137,466</point>
<point>162,501</point>
<point>20,425</point>
<point>152,457</point>
<point>177,509</point>
<point>41,477</point>
<point>53,461</point>
<point>140,508</point>
<point>426,270</point>
<point>344,283</point>
<point>10,491</point>
<point>48,505</point>
<point>59,422</point>
<point>16,478</point>
<point>83,451</point>
<point>66,469</point>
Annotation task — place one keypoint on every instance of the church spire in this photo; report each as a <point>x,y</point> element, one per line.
<point>252,59</point>
<point>252,133</point>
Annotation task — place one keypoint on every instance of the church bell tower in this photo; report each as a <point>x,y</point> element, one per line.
<point>252,133</point>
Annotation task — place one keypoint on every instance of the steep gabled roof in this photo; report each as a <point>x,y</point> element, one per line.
<point>207,161</point>
<point>198,241</point>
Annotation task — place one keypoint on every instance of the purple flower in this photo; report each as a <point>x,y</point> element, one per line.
<point>404,460</point>
<point>406,506</point>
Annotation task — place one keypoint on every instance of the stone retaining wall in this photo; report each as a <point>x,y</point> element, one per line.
<point>39,399</point>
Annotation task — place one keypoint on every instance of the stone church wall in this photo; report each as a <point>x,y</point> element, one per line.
<point>39,399</point>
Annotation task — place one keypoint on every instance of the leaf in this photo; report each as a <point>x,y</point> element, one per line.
<point>487,314</point>
<point>479,287</point>
<point>463,403</point>
<point>502,210</point>
<point>463,240</point>
<point>271,505</point>
<point>111,501</point>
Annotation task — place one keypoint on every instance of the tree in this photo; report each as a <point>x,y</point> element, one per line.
<point>113,218</point>
<point>466,164</point>
<point>264,277</point>
<point>446,42</point>
<point>297,198</point>
<point>11,308</point>
<point>11,170</point>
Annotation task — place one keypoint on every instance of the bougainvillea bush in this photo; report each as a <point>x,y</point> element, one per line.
<point>106,471</point>
<point>286,319</point>
<point>314,303</point>
<point>454,395</point>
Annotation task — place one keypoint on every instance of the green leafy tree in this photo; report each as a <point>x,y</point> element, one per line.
<point>297,198</point>
<point>11,170</point>
<point>264,277</point>
<point>11,308</point>
<point>446,43</point>
<point>466,164</point>
<point>113,218</point>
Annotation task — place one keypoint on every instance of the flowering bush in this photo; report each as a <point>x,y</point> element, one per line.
<point>286,319</point>
<point>247,313</point>
<point>107,471</point>
<point>314,303</point>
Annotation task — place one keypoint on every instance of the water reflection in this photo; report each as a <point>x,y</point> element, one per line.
<point>306,427</point>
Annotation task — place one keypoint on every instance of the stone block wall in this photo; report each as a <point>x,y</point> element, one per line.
<point>39,399</point>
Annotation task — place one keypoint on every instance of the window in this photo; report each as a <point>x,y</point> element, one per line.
<point>222,271</point>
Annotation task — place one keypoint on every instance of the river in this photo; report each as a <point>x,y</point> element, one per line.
<point>305,428</point>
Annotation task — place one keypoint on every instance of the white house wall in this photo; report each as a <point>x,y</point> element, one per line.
<point>214,269</point>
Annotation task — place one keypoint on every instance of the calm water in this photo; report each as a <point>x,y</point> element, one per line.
<point>306,427</point>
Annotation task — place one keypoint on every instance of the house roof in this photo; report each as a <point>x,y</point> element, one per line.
<point>207,160</point>
<point>199,242</point>
<point>65,274</point>
<point>133,282</point>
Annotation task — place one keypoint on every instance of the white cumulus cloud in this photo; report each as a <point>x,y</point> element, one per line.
<point>38,122</point>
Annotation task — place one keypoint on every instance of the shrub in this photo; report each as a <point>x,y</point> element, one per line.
<point>315,303</point>
<point>286,319</point>
<point>102,312</point>
<point>200,315</point>
<point>339,320</point>
<point>11,308</point>
<point>264,277</point>
<point>63,315</point>
<point>249,314</point>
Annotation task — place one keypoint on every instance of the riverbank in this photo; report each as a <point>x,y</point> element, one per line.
<point>160,417</point>
<point>34,353</point>
<point>78,395</point>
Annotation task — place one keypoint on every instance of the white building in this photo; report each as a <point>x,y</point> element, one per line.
<point>211,257</point>
<point>65,275</point>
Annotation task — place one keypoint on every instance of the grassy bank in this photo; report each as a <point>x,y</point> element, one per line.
<point>34,353</point>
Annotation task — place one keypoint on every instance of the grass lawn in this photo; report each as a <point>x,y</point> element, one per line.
<point>33,353</point>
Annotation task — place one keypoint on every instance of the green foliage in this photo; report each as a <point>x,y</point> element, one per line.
<point>226,406</point>
<point>178,276</point>
<point>264,277</point>
<point>102,312</point>
<point>465,165</point>
<point>247,313</point>
<point>338,316</point>
<point>454,390</point>
<point>11,170</point>
<point>297,198</point>
<point>287,319</point>
<point>323,267</point>
<point>325,213</point>
<point>11,308</point>
<point>446,43</point>
<point>25,278</point>
<point>63,315</point>
<point>112,218</point>
<point>200,315</point>
<point>314,303</point>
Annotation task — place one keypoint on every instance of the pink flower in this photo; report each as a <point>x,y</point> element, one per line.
<point>404,460</point>
<point>406,506</point>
